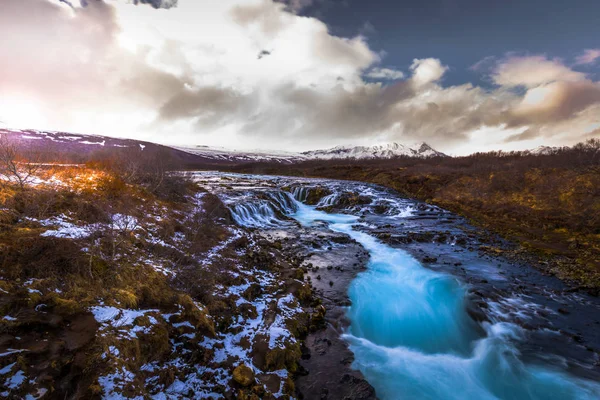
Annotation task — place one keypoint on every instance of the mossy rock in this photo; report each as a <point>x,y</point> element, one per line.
<point>155,345</point>
<point>198,318</point>
<point>316,194</point>
<point>304,293</point>
<point>243,375</point>
<point>287,357</point>
<point>66,306</point>
<point>125,298</point>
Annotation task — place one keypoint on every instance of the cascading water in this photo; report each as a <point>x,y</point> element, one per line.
<point>283,201</point>
<point>300,193</point>
<point>328,200</point>
<point>255,213</point>
<point>413,339</point>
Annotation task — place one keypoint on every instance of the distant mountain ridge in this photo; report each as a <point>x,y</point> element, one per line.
<point>386,151</point>
<point>543,150</point>
<point>63,142</point>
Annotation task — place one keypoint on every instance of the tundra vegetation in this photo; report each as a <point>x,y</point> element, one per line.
<point>121,279</point>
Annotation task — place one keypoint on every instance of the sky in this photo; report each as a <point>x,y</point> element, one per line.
<point>461,75</point>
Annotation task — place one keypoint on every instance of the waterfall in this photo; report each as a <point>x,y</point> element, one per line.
<point>263,213</point>
<point>328,200</point>
<point>300,193</point>
<point>283,201</point>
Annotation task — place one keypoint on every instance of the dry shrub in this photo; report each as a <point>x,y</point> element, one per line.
<point>112,187</point>
<point>42,257</point>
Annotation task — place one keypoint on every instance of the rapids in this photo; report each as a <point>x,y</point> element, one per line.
<point>413,339</point>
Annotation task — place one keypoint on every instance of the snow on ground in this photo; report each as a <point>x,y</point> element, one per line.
<point>120,327</point>
<point>65,228</point>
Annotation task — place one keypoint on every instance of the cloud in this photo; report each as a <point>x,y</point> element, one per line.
<point>531,71</point>
<point>427,70</point>
<point>385,73</point>
<point>297,5</point>
<point>195,77</point>
<point>265,14</point>
<point>555,101</point>
<point>67,62</point>
<point>208,106</point>
<point>589,56</point>
<point>558,103</point>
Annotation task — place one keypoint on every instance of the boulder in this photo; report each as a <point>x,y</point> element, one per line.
<point>243,375</point>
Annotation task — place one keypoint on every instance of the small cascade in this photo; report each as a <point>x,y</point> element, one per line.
<point>328,200</point>
<point>393,208</point>
<point>300,193</point>
<point>284,202</point>
<point>264,213</point>
<point>254,215</point>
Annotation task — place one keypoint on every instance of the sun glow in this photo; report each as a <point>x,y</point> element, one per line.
<point>20,112</point>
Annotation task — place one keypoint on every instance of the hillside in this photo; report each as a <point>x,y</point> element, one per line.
<point>50,146</point>
<point>78,148</point>
<point>121,286</point>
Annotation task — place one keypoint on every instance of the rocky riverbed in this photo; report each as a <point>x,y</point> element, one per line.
<point>551,326</point>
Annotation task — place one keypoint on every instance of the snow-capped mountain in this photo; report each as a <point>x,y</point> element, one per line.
<point>62,142</point>
<point>223,154</point>
<point>390,150</point>
<point>44,139</point>
<point>386,151</point>
<point>542,150</point>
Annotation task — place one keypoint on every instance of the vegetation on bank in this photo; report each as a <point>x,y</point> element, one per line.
<point>118,278</point>
<point>549,204</point>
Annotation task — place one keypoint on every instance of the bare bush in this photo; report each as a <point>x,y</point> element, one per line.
<point>17,165</point>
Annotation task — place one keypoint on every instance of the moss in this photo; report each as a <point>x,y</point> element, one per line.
<point>243,375</point>
<point>299,274</point>
<point>304,293</point>
<point>317,318</point>
<point>280,358</point>
<point>198,318</point>
<point>155,345</point>
<point>95,389</point>
<point>67,306</point>
<point>289,387</point>
<point>298,325</point>
<point>316,194</point>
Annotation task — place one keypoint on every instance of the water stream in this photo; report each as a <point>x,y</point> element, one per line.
<point>409,329</point>
<point>413,339</point>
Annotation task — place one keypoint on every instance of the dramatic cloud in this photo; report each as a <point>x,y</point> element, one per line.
<point>555,101</point>
<point>532,71</point>
<point>589,56</point>
<point>253,73</point>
